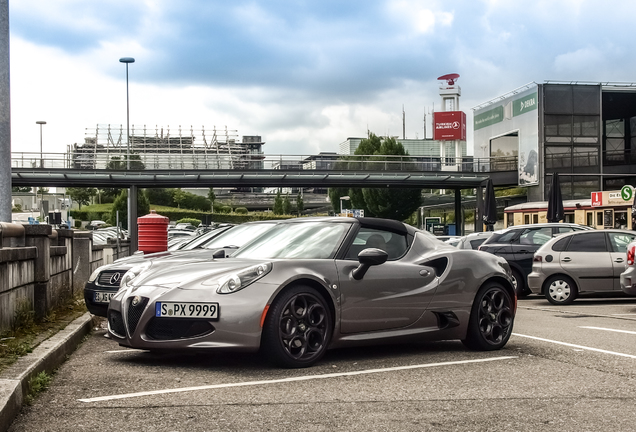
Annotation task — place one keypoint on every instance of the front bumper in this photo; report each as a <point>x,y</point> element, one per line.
<point>93,307</point>
<point>238,327</point>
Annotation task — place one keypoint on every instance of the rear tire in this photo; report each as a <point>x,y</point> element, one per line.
<point>491,318</point>
<point>519,282</point>
<point>560,290</point>
<point>297,329</point>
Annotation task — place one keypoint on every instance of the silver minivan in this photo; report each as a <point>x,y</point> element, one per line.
<point>580,262</point>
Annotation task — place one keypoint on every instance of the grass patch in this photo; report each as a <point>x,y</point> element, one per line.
<point>37,385</point>
<point>28,333</point>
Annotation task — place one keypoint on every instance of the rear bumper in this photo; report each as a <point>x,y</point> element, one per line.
<point>535,282</point>
<point>628,281</point>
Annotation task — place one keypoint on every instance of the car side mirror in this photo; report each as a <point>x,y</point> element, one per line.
<point>367,258</point>
<point>220,253</point>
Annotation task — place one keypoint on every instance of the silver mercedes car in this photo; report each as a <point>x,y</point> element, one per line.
<point>310,284</point>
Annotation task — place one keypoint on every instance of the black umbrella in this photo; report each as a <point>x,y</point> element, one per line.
<point>490,207</point>
<point>555,202</point>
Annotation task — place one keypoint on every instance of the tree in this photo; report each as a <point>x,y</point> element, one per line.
<point>390,203</point>
<point>42,190</point>
<point>287,207</point>
<point>178,196</point>
<point>300,204</point>
<point>119,163</point>
<point>81,195</point>
<point>23,189</point>
<point>278,204</point>
<point>211,196</point>
<point>121,205</point>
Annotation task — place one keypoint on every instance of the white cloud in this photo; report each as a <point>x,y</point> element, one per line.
<point>419,15</point>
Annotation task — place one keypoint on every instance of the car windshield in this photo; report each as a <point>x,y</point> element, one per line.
<point>310,240</point>
<point>239,235</point>
<point>200,240</point>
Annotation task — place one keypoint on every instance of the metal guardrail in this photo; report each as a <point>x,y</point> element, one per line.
<point>258,161</point>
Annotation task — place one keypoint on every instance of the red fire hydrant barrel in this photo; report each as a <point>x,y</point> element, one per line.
<point>153,233</point>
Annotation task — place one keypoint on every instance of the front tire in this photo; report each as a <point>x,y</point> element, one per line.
<point>560,290</point>
<point>297,329</point>
<point>491,319</point>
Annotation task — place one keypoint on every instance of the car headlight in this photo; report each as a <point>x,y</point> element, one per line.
<point>95,274</point>
<point>131,274</point>
<point>240,280</point>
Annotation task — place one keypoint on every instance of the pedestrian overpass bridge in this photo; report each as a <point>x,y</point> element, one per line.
<point>260,170</point>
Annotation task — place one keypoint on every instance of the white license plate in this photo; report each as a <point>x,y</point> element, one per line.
<point>103,297</point>
<point>186,310</point>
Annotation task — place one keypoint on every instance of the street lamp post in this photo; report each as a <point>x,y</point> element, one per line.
<point>343,198</point>
<point>132,191</point>
<point>127,60</point>
<point>40,122</point>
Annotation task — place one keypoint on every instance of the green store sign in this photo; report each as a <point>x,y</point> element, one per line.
<point>524,104</point>
<point>488,118</point>
<point>496,115</point>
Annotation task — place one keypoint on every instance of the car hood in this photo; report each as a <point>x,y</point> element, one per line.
<point>191,275</point>
<point>174,257</point>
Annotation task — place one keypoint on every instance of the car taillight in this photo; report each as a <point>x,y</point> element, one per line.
<point>537,258</point>
<point>630,255</point>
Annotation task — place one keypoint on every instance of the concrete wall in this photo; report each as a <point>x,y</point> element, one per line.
<point>40,267</point>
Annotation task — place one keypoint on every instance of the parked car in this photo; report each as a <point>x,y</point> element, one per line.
<point>309,284</point>
<point>105,280</point>
<point>580,262</point>
<point>518,244</point>
<point>628,277</point>
<point>200,240</point>
<point>471,241</point>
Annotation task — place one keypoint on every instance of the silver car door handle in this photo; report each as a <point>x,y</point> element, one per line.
<point>566,259</point>
<point>424,273</point>
<point>618,260</point>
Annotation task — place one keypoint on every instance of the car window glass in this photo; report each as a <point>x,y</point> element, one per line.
<point>619,241</point>
<point>535,236</point>
<point>315,240</point>
<point>395,245</point>
<point>474,244</point>
<point>565,229</point>
<point>238,236</point>
<point>506,237</point>
<point>561,245</point>
<point>588,242</point>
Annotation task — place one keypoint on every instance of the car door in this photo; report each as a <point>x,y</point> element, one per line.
<point>587,260</point>
<point>528,242</point>
<point>390,295</point>
<point>618,251</point>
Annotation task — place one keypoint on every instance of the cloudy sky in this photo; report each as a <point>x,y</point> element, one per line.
<point>303,74</point>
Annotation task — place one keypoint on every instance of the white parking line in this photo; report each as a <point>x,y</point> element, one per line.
<point>612,330</point>
<point>283,380</point>
<point>126,351</point>
<point>577,346</point>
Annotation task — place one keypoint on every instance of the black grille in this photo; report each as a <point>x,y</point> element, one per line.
<point>116,323</point>
<point>108,278</point>
<point>134,313</point>
<point>177,328</point>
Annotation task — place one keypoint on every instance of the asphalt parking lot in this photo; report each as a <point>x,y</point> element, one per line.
<point>565,368</point>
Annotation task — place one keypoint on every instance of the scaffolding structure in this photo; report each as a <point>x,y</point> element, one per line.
<point>106,147</point>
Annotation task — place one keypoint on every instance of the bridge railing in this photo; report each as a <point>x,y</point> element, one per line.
<point>257,161</point>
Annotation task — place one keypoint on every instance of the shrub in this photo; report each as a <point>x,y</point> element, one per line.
<point>191,221</point>
<point>240,210</point>
<point>78,223</point>
<point>226,209</point>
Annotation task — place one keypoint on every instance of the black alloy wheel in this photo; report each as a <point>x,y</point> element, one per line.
<point>297,329</point>
<point>491,319</point>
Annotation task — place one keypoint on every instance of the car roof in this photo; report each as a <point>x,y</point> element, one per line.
<point>544,225</point>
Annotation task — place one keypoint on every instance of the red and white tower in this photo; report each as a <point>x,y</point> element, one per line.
<point>449,124</point>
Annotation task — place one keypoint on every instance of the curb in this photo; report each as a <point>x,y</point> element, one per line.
<point>47,356</point>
